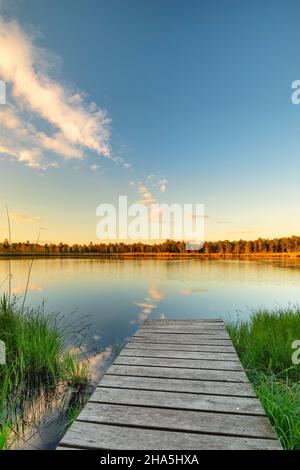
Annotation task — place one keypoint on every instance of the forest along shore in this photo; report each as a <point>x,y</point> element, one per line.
<point>278,248</point>
<point>163,255</point>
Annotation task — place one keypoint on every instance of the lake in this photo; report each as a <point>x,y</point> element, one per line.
<point>115,296</point>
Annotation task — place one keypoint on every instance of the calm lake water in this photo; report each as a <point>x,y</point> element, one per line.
<point>118,295</point>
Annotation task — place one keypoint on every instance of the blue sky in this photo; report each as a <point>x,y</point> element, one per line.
<point>199,95</point>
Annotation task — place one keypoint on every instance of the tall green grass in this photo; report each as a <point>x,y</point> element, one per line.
<point>264,345</point>
<point>38,363</point>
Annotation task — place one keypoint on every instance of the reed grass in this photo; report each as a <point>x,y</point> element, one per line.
<point>264,345</point>
<point>38,363</point>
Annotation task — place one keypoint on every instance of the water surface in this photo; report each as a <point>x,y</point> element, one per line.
<point>118,295</point>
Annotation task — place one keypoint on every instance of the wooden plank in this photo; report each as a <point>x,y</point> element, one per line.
<point>210,356</point>
<point>101,436</point>
<point>187,327</point>
<point>183,322</point>
<point>153,321</point>
<point>190,337</point>
<point>161,339</point>
<point>183,363</point>
<point>187,401</point>
<point>68,448</point>
<point>218,334</point>
<point>178,373</point>
<point>179,347</point>
<point>197,421</point>
<point>178,385</point>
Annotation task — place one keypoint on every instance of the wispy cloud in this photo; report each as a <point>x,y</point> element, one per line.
<point>94,167</point>
<point>146,190</point>
<point>157,181</point>
<point>240,232</point>
<point>39,98</point>
<point>23,218</point>
<point>222,222</point>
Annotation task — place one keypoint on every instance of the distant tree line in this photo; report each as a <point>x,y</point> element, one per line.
<point>261,245</point>
<point>169,246</point>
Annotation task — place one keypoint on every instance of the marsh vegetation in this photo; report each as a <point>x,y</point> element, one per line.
<point>264,344</point>
<point>40,367</point>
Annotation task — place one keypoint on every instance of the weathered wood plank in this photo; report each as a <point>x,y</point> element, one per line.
<point>178,323</point>
<point>178,385</point>
<point>182,328</point>
<point>210,356</point>
<point>177,373</point>
<point>182,420</point>
<point>200,327</point>
<point>179,347</point>
<point>184,322</point>
<point>68,448</point>
<point>187,401</point>
<point>184,363</point>
<point>189,336</point>
<point>161,339</point>
<point>100,436</point>
<point>218,334</point>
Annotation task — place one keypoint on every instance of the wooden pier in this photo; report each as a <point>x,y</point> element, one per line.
<point>178,384</point>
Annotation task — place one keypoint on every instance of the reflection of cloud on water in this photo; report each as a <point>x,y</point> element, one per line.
<point>147,309</point>
<point>31,288</point>
<point>190,291</point>
<point>98,364</point>
<point>155,295</point>
<point>146,305</point>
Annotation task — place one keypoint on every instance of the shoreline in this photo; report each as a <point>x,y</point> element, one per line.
<point>137,255</point>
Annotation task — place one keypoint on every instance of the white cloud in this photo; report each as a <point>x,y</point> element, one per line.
<point>158,182</point>
<point>9,119</point>
<point>147,201</point>
<point>30,157</point>
<point>74,125</point>
<point>163,185</point>
<point>59,145</point>
<point>94,167</point>
<point>7,151</point>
